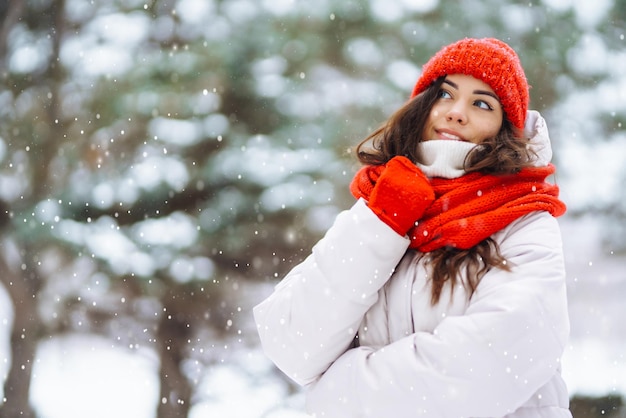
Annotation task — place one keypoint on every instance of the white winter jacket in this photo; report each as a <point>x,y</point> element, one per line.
<point>496,354</point>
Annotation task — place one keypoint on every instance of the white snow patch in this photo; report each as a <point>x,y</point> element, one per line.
<point>583,163</point>
<point>196,11</point>
<point>149,173</point>
<point>175,131</point>
<point>403,74</point>
<point>87,376</point>
<point>177,230</point>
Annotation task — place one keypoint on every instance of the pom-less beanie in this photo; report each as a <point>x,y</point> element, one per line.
<point>489,60</point>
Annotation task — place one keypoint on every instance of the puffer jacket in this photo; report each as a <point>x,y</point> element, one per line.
<point>496,354</point>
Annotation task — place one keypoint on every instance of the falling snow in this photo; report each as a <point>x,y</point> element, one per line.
<point>240,381</point>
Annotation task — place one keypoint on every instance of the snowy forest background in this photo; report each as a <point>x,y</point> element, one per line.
<point>164,163</point>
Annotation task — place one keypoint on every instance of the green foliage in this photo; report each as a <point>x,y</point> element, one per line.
<point>168,148</point>
<point>247,87</point>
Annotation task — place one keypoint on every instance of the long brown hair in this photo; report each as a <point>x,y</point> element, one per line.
<point>506,153</point>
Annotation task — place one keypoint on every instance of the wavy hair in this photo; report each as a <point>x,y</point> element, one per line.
<point>506,153</point>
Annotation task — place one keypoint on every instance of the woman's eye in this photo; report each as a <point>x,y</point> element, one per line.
<point>443,94</point>
<point>483,105</point>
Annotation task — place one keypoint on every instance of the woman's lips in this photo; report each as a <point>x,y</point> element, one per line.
<point>450,135</point>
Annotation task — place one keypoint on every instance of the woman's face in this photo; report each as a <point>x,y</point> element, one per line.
<point>467,110</point>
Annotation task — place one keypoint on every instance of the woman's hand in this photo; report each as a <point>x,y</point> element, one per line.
<point>401,195</point>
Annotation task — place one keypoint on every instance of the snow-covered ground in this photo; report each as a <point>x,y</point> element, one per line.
<point>78,375</point>
<point>595,361</point>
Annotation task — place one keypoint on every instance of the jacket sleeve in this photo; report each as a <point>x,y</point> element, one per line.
<point>314,313</point>
<point>485,363</point>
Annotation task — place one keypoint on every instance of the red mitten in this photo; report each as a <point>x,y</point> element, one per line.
<point>401,195</point>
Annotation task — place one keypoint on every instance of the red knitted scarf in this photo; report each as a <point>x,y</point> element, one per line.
<point>472,207</point>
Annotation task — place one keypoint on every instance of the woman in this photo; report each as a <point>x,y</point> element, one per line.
<point>441,292</point>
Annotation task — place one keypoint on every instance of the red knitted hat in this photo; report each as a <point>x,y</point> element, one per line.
<point>489,60</point>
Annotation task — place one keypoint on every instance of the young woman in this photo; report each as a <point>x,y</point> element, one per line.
<point>441,292</point>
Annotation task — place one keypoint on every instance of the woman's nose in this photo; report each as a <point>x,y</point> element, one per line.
<point>457,114</point>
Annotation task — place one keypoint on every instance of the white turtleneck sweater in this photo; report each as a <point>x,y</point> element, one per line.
<point>444,158</point>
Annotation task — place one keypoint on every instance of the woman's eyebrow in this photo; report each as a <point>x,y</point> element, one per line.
<point>488,93</point>
<point>454,85</point>
<point>485,92</point>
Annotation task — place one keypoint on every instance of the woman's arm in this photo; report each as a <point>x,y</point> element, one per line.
<point>487,362</point>
<point>315,311</point>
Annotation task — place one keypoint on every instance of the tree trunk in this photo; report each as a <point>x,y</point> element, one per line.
<point>11,12</point>
<point>22,289</point>
<point>176,390</point>
<point>24,282</point>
